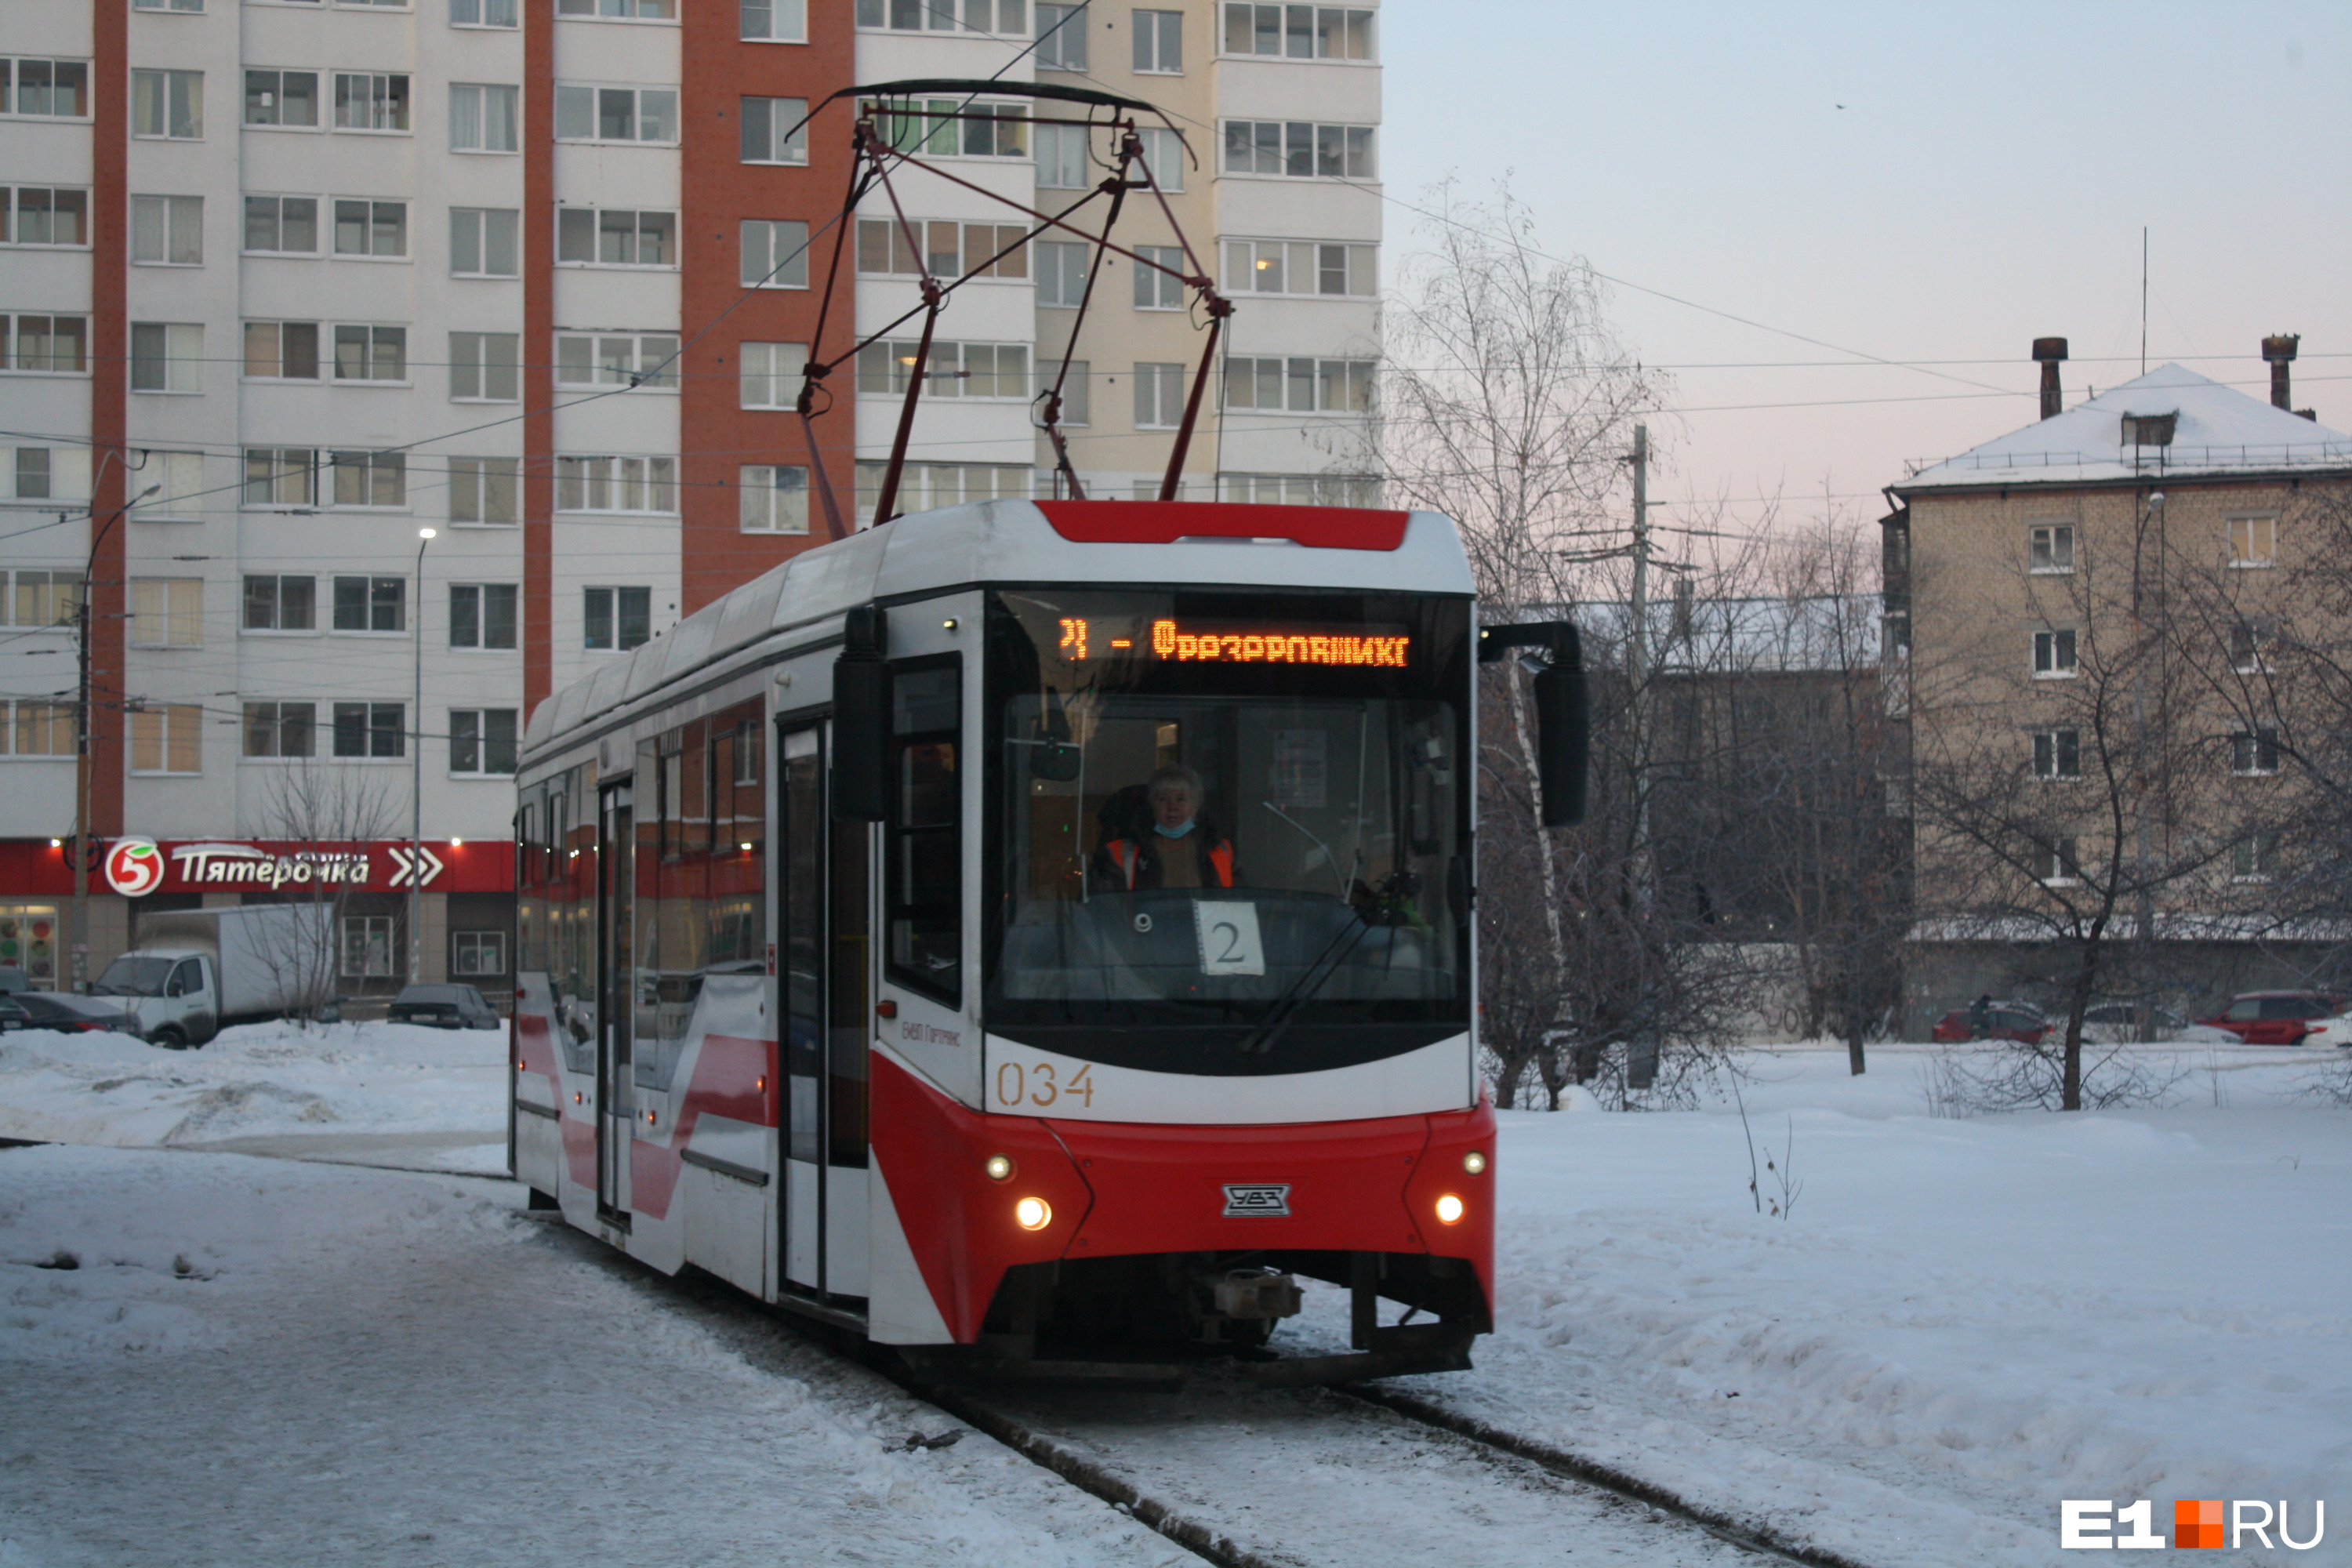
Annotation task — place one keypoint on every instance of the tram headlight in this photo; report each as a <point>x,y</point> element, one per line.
<point>1033,1214</point>
<point>1449,1210</point>
<point>998,1167</point>
<point>1474,1162</point>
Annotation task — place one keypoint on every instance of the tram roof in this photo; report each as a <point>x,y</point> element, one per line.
<point>1100,543</point>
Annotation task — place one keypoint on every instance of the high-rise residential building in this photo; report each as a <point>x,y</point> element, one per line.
<point>286,283</point>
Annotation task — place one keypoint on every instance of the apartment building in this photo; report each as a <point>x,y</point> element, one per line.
<point>289,284</point>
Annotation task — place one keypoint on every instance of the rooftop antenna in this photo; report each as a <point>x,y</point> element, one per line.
<point>2143,299</point>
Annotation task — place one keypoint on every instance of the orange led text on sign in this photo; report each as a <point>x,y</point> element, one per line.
<point>1277,648</point>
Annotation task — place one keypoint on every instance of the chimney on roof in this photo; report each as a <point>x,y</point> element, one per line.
<point>2047,353</point>
<point>2280,352</point>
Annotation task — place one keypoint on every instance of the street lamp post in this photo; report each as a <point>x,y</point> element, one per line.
<point>416,779</point>
<point>80,938</point>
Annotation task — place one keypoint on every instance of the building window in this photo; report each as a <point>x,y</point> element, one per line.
<point>371,605</point>
<point>1164,156</point>
<point>477,953</point>
<point>2149,429</point>
<point>276,603</point>
<point>485,367</point>
<point>281,226</point>
<point>2254,754</point>
<point>1301,267</point>
<point>1299,150</point>
<point>46,343</point>
<point>482,492</point>
<point>774,497</point>
<point>955,127</point>
<point>2050,548</point>
<point>1009,16</point>
<point>1159,396</point>
<point>371,730</point>
<point>1062,162</point>
<point>483,13</point>
<point>41,598</point>
<point>169,104</point>
<point>289,100</point>
<point>484,118</point>
<point>775,253</point>
<point>2254,858</point>
<point>182,475</point>
<point>167,612</point>
<point>956,370</point>
<point>2059,864</point>
<point>370,227</point>
<point>771,374</point>
<point>167,356</point>
<point>44,214</point>
<point>366,101</point>
<point>620,10</point>
<point>584,113</point>
<point>371,353</point>
<point>281,729</point>
<point>53,89</point>
<point>2053,655</point>
<point>592,237</point>
<point>2251,645</point>
<point>772,131</point>
<point>372,479</point>
<point>925,486</point>
<point>167,739</point>
<point>1061,37</point>
<point>31,473</point>
<point>36,729</point>
<point>281,476</point>
<point>624,359</point>
<point>950,249</point>
<point>1160,41</point>
<point>367,945</point>
<point>482,742</point>
<point>616,484</point>
<point>774,21</point>
<point>1299,385</point>
<point>281,351</point>
<point>2057,755</point>
<point>484,242</point>
<point>2253,541</point>
<point>1299,32</point>
<point>1301,489</point>
<point>483,614</point>
<point>189,5</point>
<point>1156,290</point>
<point>1077,404</point>
<point>1062,273</point>
<point>618,618</point>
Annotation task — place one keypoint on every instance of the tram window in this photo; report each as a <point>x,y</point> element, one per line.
<point>926,860</point>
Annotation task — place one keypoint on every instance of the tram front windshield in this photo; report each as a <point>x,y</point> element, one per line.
<point>1234,826</point>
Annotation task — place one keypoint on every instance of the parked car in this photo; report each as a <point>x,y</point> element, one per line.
<point>444,1008</point>
<point>2335,1030</point>
<point>2117,1022</point>
<point>71,1014</point>
<point>13,1015</point>
<point>2008,1021</point>
<point>2275,1017</point>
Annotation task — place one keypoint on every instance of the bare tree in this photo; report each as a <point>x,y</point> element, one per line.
<point>327,815</point>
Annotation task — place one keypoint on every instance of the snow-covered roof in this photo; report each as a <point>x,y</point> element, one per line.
<point>2220,431</point>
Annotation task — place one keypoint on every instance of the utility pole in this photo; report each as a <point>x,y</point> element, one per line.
<point>1641,1053</point>
<point>80,935</point>
<point>424,536</point>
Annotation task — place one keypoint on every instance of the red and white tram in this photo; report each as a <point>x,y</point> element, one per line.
<point>1032,932</point>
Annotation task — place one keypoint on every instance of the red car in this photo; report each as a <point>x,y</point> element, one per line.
<point>2008,1021</point>
<point>2275,1017</point>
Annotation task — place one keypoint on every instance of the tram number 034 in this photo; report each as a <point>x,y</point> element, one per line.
<point>1039,1085</point>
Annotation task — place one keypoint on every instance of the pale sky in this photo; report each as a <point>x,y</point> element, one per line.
<point>1984,185</point>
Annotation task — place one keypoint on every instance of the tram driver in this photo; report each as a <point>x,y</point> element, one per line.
<point>1158,835</point>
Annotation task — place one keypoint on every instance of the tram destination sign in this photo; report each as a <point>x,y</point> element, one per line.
<point>1189,642</point>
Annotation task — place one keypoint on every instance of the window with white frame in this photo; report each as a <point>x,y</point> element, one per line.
<point>483,614</point>
<point>616,484</point>
<point>168,104</point>
<point>1299,32</point>
<point>281,729</point>
<point>775,253</point>
<point>281,477</point>
<point>485,242</point>
<point>925,486</point>
<point>587,112</point>
<point>367,947</point>
<point>369,228</point>
<point>772,131</point>
<point>484,117</point>
<point>1299,150</point>
<point>281,226</point>
<point>53,90</point>
<point>1159,396</point>
<point>2057,755</point>
<point>1061,37</point>
<point>474,953</point>
<point>483,491</point>
<point>950,249</point>
<point>2049,549</point>
<point>2254,858</point>
<point>167,612</point>
<point>274,603</point>
<point>44,342</point>
<point>51,473</point>
<point>1301,489</point>
<point>167,5</point>
<point>771,374</point>
<point>617,358</point>
<point>371,100</point>
<point>774,497</point>
<point>617,619</point>
<point>956,370</point>
<point>484,13</point>
<point>1005,16</point>
<point>1078,401</point>
<point>2053,655</point>
<point>1159,280</point>
<point>2254,754</point>
<point>1299,385</point>
<point>1164,156</point>
<point>2253,540</point>
<point>281,351</point>
<point>374,729</point>
<point>2059,862</point>
<point>167,356</point>
<point>182,475</point>
<point>2253,644</point>
<point>774,21</point>
<point>620,10</point>
<point>617,237</point>
<point>482,742</point>
<point>31,727</point>
<point>1159,41</point>
<point>41,598</point>
<point>167,738</point>
<point>370,479</point>
<point>283,100</point>
<point>44,214</point>
<point>367,353</point>
<point>1307,267</point>
<point>955,127</point>
<point>1062,272</point>
<point>1062,161</point>
<point>485,367</point>
<point>371,605</point>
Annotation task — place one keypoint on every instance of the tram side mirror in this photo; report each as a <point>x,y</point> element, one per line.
<point>1563,711</point>
<point>1056,762</point>
<point>861,720</point>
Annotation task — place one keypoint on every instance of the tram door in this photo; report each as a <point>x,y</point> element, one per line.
<point>617,1008</point>
<point>824,926</point>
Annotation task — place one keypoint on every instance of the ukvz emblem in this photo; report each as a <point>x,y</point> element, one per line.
<point>1246,1200</point>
